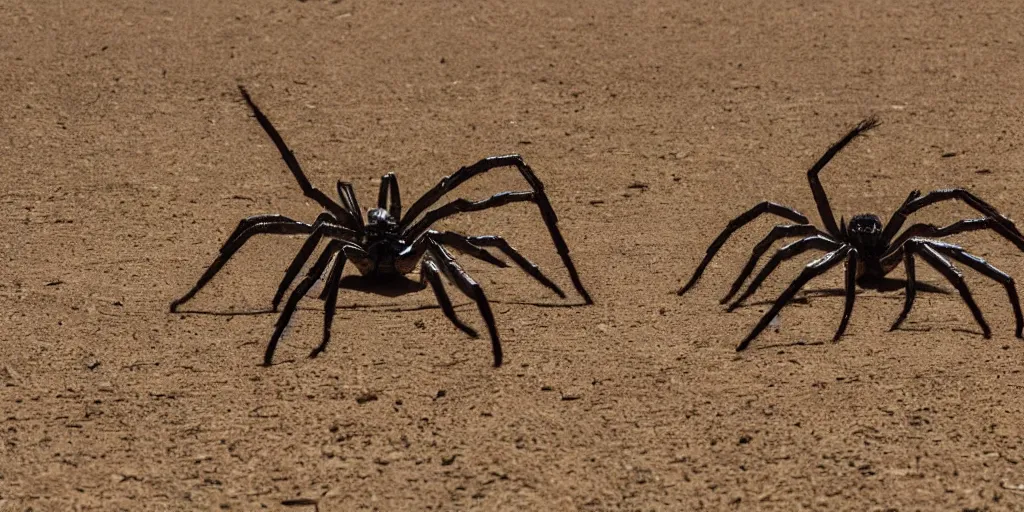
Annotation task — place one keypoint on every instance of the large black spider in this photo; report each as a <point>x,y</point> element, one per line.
<point>388,244</point>
<point>868,247</point>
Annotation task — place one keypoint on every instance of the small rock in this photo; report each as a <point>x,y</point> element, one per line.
<point>366,397</point>
<point>571,395</point>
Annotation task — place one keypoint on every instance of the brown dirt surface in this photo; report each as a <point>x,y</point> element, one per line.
<point>128,157</point>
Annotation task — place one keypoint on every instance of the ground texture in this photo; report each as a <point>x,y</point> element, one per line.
<point>127,156</point>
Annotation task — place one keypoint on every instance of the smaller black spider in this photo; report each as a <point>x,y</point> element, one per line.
<point>390,244</point>
<point>868,247</point>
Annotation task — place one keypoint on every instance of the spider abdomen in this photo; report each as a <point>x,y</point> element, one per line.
<point>383,255</point>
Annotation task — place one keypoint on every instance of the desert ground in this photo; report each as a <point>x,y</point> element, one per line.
<point>128,156</point>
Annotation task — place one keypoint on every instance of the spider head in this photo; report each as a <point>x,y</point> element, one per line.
<point>379,219</point>
<point>865,231</point>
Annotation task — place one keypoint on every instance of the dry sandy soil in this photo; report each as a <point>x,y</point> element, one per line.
<point>128,156</point>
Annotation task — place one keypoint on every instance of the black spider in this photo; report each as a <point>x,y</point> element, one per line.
<point>868,247</point>
<point>389,245</point>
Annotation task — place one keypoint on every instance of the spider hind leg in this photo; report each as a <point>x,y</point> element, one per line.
<point>931,252</point>
<point>977,264</point>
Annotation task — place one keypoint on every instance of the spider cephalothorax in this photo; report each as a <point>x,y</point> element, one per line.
<point>390,244</point>
<point>870,248</point>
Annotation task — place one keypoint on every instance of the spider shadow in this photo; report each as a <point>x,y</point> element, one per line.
<point>391,288</point>
<point>402,285</point>
<point>886,284</point>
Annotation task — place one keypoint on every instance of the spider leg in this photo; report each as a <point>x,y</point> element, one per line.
<point>314,274</point>
<point>470,245</point>
<point>335,269</point>
<point>462,244</point>
<point>737,223</point>
<point>431,274</point>
<point>820,198</point>
<point>330,296</point>
<point>528,266</point>
<point>407,260</point>
<point>911,294</point>
<point>851,292</point>
<point>448,183</point>
<point>777,232</point>
<point>540,198</point>
<point>898,218</point>
<point>323,226</point>
<point>933,231</point>
<point>812,270</point>
<point>988,270</point>
<point>249,222</point>
<point>928,252</point>
<point>912,205</point>
<point>471,289</point>
<point>348,198</point>
<point>464,205</point>
<point>389,184</point>
<point>308,189</point>
<point>276,225</point>
<point>786,252</point>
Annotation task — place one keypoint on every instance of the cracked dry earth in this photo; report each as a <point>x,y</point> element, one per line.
<point>127,157</point>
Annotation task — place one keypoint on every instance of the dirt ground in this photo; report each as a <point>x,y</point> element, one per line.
<point>128,157</point>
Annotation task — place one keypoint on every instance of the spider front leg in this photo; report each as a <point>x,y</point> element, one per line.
<point>348,198</point>
<point>288,156</point>
<point>975,202</point>
<point>461,205</point>
<point>389,187</point>
<point>812,270</point>
<point>248,227</point>
<point>962,226</point>
<point>737,223</point>
<point>471,289</point>
<point>820,198</point>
